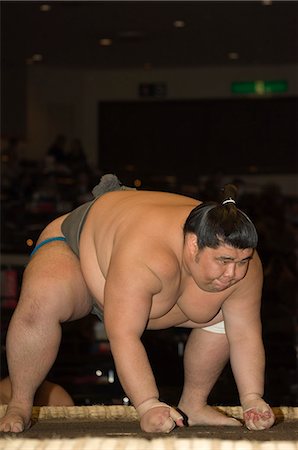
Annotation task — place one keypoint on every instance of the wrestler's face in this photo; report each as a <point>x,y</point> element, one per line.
<point>217,269</point>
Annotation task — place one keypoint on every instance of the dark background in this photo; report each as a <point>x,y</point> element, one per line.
<point>221,135</point>
<point>184,146</point>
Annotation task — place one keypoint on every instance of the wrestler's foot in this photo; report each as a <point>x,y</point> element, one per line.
<point>206,415</point>
<point>15,420</point>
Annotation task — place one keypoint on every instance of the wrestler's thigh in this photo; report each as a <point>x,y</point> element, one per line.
<point>53,284</point>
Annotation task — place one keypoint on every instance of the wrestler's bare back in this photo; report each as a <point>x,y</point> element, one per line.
<point>141,228</point>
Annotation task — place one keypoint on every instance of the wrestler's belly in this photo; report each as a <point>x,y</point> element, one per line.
<point>90,268</point>
<point>93,278</point>
<point>164,312</point>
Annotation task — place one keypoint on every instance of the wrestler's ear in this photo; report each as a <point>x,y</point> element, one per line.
<point>192,242</point>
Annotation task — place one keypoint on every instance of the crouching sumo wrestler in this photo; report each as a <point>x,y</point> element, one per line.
<point>147,260</point>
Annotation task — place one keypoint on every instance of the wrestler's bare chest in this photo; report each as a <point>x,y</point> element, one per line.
<point>173,305</point>
<point>173,308</point>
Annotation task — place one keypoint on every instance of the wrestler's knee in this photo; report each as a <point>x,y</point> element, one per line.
<point>41,297</point>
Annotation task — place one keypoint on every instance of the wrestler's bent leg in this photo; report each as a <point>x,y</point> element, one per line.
<point>53,291</point>
<point>206,354</point>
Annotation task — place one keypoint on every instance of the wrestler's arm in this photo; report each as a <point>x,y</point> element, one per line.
<point>241,313</point>
<point>130,286</point>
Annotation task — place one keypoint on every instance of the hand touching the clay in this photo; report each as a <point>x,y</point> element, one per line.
<point>158,417</point>
<point>257,414</point>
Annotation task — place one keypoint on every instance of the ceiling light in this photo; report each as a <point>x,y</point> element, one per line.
<point>179,24</point>
<point>233,55</point>
<point>45,8</point>
<point>29,242</point>
<point>105,42</point>
<point>267,2</point>
<point>37,57</point>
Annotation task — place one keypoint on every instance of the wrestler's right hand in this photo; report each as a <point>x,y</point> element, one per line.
<point>158,417</point>
<point>256,413</point>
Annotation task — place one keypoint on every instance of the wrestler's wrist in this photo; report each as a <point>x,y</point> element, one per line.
<point>143,407</point>
<point>250,396</point>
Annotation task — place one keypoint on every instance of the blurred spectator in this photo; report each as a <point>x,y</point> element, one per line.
<point>10,166</point>
<point>76,158</point>
<point>10,153</point>
<point>83,188</point>
<point>57,149</point>
<point>46,196</point>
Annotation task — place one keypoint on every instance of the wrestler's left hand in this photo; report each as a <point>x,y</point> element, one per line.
<point>257,414</point>
<point>158,417</point>
<point>161,419</point>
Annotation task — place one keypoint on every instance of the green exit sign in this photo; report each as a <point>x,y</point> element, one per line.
<point>259,87</point>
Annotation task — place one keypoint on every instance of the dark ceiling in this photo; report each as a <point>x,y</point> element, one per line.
<point>143,33</point>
